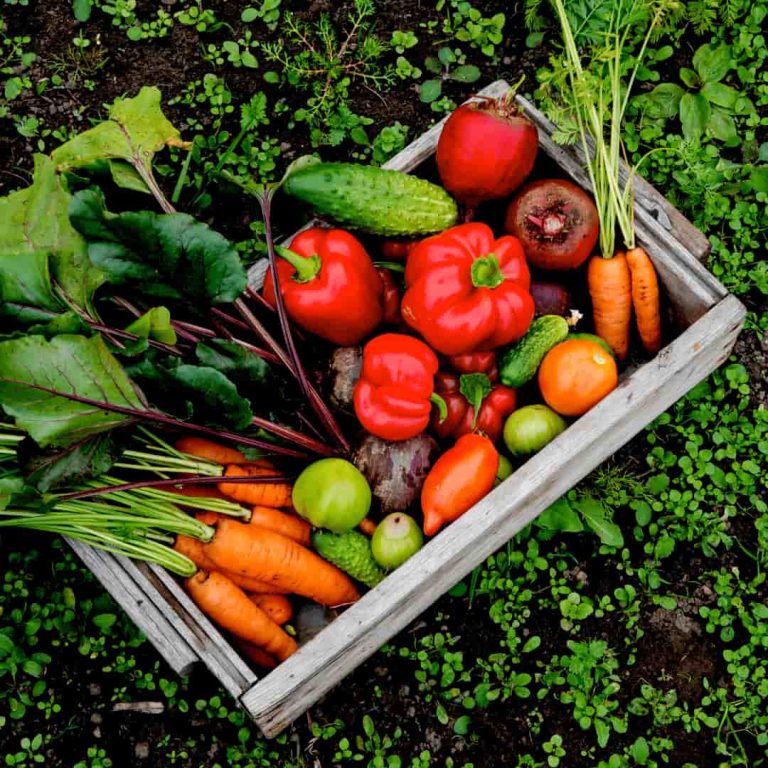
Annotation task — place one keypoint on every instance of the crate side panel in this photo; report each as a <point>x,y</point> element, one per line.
<point>298,682</point>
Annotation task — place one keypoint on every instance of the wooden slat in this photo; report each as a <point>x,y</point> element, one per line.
<point>300,680</point>
<point>140,601</point>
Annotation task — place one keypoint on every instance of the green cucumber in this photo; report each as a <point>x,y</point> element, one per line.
<point>521,361</point>
<point>592,337</point>
<point>350,551</point>
<point>372,199</point>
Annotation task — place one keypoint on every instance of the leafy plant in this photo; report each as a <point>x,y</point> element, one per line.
<point>468,25</point>
<point>443,65</point>
<point>708,108</point>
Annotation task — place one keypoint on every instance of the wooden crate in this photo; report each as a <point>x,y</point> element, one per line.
<point>711,320</point>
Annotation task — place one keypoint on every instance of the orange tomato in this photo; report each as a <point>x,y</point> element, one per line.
<point>575,375</point>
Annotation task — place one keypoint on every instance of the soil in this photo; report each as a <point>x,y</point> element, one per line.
<point>672,642</point>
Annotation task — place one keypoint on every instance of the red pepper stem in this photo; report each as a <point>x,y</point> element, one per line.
<point>475,387</point>
<point>486,272</point>
<point>307,268</point>
<point>442,407</point>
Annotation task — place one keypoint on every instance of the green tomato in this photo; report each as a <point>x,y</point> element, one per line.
<point>504,470</point>
<point>395,539</point>
<point>332,494</point>
<point>529,429</point>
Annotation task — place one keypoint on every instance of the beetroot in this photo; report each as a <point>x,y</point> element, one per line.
<point>550,298</point>
<point>556,221</point>
<point>486,150</point>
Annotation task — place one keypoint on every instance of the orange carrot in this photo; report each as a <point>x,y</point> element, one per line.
<point>277,607</point>
<point>229,607</point>
<point>280,522</point>
<point>255,654</point>
<point>199,491</point>
<point>259,553</point>
<point>645,299</point>
<point>193,549</point>
<point>367,526</point>
<point>263,494</point>
<point>208,450</point>
<point>609,287</point>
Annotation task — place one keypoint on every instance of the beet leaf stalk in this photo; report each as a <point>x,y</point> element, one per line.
<point>318,405</point>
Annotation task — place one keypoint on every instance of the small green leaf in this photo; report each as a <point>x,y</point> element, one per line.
<point>104,621</point>
<point>560,517</point>
<point>82,9</point>
<point>467,73</point>
<point>722,95</point>
<point>461,726</point>
<point>663,100</point>
<point>442,715</point>
<point>690,78</point>
<point>640,751</point>
<point>534,39</point>
<point>430,90</point>
<point>249,14</point>
<point>712,63</point>
<point>446,56</point>
<point>154,324</point>
<point>596,516</point>
<point>722,127</point>
<point>758,179</point>
<point>695,113</point>
<point>126,176</point>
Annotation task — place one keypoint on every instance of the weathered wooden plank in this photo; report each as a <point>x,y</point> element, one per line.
<point>145,609</point>
<point>204,638</point>
<point>299,681</point>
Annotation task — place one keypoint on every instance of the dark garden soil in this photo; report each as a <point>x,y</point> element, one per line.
<point>673,643</point>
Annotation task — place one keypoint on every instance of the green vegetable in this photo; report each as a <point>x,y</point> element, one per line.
<point>373,199</point>
<point>333,494</point>
<point>521,361</point>
<point>350,551</point>
<point>504,471</point>
<point>529,429</point>
<point>593,337</point>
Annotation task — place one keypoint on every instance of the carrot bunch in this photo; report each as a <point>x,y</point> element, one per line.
<point>247,569</point>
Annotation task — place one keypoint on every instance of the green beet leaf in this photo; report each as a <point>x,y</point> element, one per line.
<point>135,131</point>
<point>70,364</point>
<point>39,248</point>
<point>66,466</point>
<point>167,256</point>
<point>195,392</point>
<point>234,361</point>
<point>154,324</point>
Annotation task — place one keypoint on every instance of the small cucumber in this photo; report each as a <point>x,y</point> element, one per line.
<point>350,551</point>
<point>592,337</point>
<point>521,361</point>
<point>372,199</point>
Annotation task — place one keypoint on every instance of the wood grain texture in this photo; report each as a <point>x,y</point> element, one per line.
<point>300,680</point>
<point>147,609</point>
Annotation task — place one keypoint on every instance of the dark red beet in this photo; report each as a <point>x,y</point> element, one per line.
<point>550,298</point>
<point>556,221</point>
<point>486,150</point>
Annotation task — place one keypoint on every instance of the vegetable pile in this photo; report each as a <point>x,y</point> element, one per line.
<point>298,443</point>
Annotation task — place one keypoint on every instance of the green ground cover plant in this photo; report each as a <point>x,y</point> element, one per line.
<point>628,625</point>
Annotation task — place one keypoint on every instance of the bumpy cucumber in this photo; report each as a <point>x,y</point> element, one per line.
<point>592,337</point>
<point>521,361</point>
<point>350,551</point>
<point>372,199</point>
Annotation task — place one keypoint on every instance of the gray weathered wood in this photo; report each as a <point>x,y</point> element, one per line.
<point>117,575</point>
<point>300,680</point>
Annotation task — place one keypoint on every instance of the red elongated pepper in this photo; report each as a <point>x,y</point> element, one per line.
<point>463,395</point>
<point>394,394</point>
<point>467,291</point>
<point>330,285</point>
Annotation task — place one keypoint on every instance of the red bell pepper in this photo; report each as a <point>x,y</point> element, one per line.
<point>474,404</point>
<point>394,394</point>
<point>390,298</point>
<point>475,362</point>
<point>467,291</point>
<point>329,285</point>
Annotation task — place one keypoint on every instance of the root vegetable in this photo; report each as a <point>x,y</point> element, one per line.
<point>550,298</point>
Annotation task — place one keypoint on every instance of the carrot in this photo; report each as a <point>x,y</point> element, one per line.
<point>208,450</point>
<point>200,491</point>
<point>609,287</point>
<point>257,655</point>
<point>367,526</point>
<point>277,607</point>
<point>259,553</point>
<point>280,522</point>
<point>263,494</point>
<point>229,607</point>
<point>193,549</point>
<point>645,299</point>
